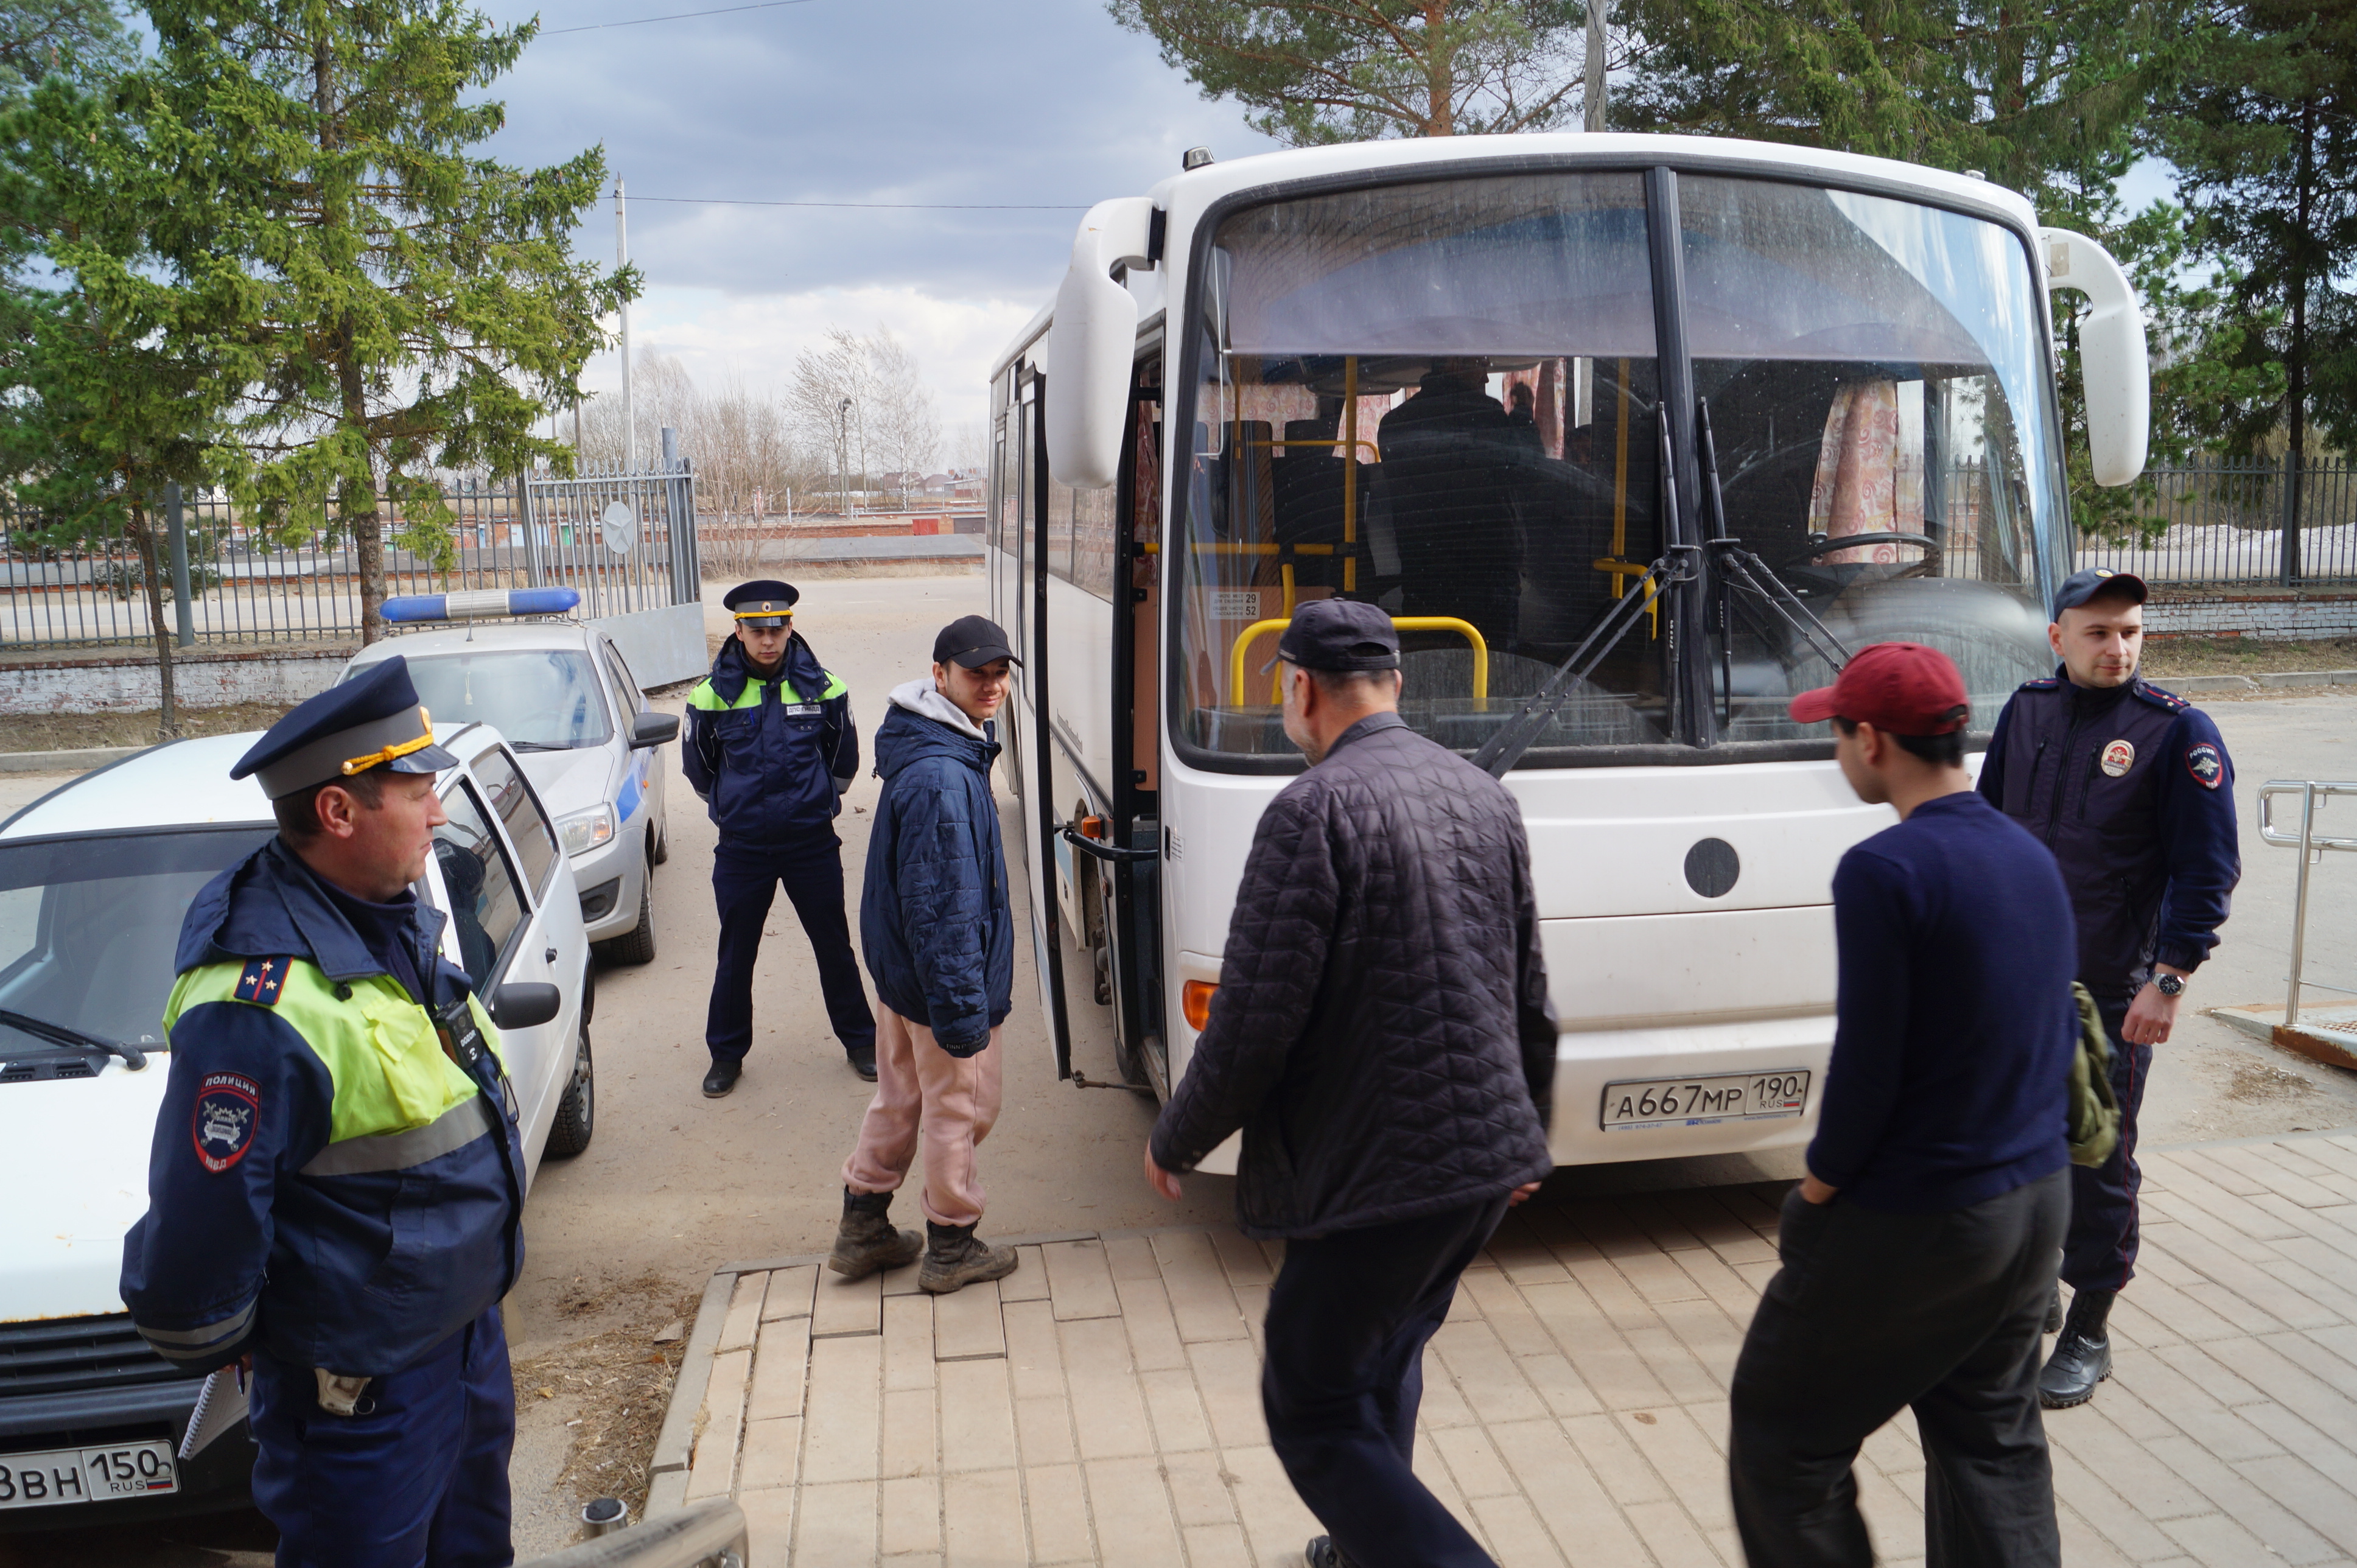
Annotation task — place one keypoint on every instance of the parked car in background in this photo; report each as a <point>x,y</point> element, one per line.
<point>563,695</point>
<point>94,878</point>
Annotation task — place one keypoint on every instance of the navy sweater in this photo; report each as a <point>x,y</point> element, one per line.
<point>1951,1052</point>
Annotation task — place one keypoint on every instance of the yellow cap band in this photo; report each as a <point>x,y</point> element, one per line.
<point>764,615</point>
<point>398,749</point>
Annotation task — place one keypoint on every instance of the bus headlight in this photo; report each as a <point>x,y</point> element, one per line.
<point>585,831</point>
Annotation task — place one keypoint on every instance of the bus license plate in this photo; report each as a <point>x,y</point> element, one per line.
<point>1700,1101</point>
<point>141,1469</point>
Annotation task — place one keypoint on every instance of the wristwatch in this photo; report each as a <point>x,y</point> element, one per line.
<point>2170,985</point>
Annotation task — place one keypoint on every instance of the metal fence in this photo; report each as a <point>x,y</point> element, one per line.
<point>2234,520</point>
<point>626,540</point>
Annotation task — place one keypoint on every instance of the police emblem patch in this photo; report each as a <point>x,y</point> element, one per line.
<point>228,1107</point>
<point>2209,769</point>
<point>2118,758</point>
<point>262,981</point>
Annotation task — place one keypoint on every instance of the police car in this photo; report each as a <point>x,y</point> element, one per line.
<point>564,697</point>
<point>94,878</point>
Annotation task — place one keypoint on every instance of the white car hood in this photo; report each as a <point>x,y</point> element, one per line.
<point>569,781</point>
<point>75,1169</point>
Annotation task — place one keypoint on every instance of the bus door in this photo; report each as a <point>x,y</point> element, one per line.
<point>1027,732</point>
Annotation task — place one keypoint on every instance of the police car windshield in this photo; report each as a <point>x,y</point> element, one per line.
<point>542,699</point>
<point>89,926</point>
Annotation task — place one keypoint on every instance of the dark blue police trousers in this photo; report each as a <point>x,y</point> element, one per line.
<point>1348,1320</point>
<point>417,1478</point>
<point>2100,1251</point>
<point>745,883</point>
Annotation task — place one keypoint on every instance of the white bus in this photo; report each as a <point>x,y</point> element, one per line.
<point>1634,437</point>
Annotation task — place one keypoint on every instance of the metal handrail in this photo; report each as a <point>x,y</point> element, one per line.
<point>704,1535</point>
<point>1464,629</point>
<point>2312,847</point>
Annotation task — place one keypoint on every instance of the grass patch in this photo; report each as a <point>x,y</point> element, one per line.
<point>2245,656</point>
<point>69,731</point>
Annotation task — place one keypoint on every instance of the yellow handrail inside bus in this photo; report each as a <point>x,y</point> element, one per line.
<point>1464,629</point>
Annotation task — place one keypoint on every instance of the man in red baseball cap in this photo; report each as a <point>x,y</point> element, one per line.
<point>1920,1250</point>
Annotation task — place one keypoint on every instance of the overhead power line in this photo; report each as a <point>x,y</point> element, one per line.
<point>675,16</point>
<point>887,206</point>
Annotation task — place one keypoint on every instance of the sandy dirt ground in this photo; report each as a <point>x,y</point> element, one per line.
<point>622,1236</point>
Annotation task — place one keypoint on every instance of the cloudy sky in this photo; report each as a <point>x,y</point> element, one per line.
<point>1014,103</point>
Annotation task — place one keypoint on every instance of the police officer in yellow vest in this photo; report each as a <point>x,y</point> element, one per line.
<point>336,1186</point>
<point>772,746</point>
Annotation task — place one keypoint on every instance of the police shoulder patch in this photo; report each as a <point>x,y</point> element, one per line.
<point>2207,765</point>
<point>263,981</point>
<point>229,1105</point>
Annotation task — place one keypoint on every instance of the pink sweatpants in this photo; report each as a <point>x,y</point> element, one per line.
<point>922,1091</point>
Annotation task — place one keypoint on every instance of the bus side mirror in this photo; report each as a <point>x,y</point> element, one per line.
<point>2113,370</point>
<point>1093,344</point>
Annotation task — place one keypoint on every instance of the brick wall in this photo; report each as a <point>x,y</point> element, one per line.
<point>2280,615</point>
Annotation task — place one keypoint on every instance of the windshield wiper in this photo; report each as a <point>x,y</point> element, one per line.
<point>1677,564</point>
<point>540,745</point>
<point>133,1057</point>
<point>1743,568</point>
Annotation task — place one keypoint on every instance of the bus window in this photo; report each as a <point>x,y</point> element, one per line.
<point>1871,371</point>
<point>1353,432</point>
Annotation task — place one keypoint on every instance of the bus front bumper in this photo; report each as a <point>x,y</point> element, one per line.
<point>1590,1062</point>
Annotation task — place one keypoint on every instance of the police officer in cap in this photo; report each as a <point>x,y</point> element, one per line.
<point>336,1186</point>
<point>772,746</point>
<point>2131,788</point>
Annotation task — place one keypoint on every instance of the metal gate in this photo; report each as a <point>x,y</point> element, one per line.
<point>627,542</point>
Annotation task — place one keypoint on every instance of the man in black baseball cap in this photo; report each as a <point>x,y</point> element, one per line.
<point>1385,940</point>
<point>936,926</point>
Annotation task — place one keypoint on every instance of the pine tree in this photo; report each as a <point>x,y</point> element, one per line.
<point>420,307</point>
<point>1339,70</point>
<point>125,364</point>
<point>2264,135</point>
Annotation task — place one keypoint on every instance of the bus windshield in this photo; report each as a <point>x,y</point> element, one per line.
<point>1445,398</point>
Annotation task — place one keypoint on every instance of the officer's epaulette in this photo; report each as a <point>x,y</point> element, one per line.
<point>263,981</point>
<point>2043,684</point>
<point>2161,699</point>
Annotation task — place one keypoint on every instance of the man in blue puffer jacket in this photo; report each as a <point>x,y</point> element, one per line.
<point>940,941</point>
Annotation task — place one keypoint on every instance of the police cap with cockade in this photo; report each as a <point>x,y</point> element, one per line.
<point>373,719</point>
<point>763,602</point>
<point>2080,586</point>
<point>1340,634</point>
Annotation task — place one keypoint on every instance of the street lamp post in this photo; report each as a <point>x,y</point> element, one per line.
<point>843,449</point>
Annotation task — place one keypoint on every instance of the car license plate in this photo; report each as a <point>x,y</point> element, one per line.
<point>141,1469</point>
<point>1700,1101</point>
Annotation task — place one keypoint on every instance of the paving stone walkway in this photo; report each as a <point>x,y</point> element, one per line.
<point>1101,1404</point>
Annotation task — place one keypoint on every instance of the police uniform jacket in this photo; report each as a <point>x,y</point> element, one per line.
<point>2133,792</point>
<point>770,757</point>
<point>327,1185</point>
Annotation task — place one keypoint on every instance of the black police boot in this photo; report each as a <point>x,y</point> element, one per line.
<point>2054,1309</point>
<point>1321,1552</point>
<point>863,1060</point>
<point>865,1244</point>
<point>2083,1356</point>
<point>955,1258</point>
<point>723,1077</point>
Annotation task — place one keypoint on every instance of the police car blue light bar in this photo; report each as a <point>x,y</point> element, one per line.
<point>480,604</point>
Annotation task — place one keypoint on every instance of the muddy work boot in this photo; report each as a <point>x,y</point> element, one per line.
<point>955,1259</point>
<point>865,1244</point>
<point>2083,1356</point>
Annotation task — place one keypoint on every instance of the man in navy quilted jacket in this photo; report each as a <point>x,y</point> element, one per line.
<point>1382,1037</point>
<point>940,941</point>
